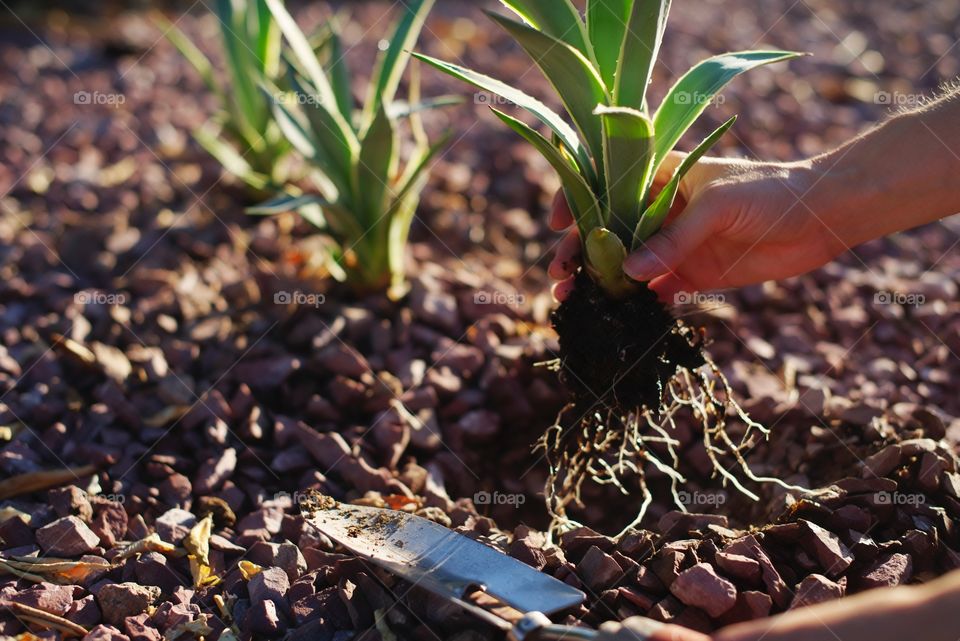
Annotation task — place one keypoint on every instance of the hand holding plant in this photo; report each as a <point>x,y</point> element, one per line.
<point>734,223</point>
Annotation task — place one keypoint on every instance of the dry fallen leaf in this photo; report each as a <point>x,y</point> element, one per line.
<point>43,480</point>
<point>248,569</point>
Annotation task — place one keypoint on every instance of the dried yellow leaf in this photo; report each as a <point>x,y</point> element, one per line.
<point>248,569</point>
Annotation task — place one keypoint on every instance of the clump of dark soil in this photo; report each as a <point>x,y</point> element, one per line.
<point>617,354</point>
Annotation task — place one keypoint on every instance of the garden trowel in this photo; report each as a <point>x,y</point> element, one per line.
<point>460,569</point>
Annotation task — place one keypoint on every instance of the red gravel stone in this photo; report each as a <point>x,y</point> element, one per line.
<point>701,587</point>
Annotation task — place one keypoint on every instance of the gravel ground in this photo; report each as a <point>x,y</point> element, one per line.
<point>179,360</point>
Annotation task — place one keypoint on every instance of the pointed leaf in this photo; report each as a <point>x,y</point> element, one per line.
<point>401,109</point>
<point>606,24</point>
<point>340,77</point>
<point>656,213</point>
<point>189,51</point>
<point>557,18</point>
<point>546,115</point>
<point>576,81</point>
<point>227,156</point>
<point>284,203</point>
<point>241,60</point>
<point>268,39</point>
<point>693,92</point>
<point>394,60</point>
<point>641,45</point>
<point>583,202</point>
<point>377,167</point>
<point>628,155</point>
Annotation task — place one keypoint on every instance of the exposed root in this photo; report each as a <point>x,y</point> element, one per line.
<point>606,447</point>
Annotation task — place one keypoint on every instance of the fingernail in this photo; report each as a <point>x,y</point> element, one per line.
<point>641,265</point>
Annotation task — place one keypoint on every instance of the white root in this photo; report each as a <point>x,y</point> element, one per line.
<point>607,449</point>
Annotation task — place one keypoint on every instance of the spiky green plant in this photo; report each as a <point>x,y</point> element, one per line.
<point>367,197</point>
<point>243,136</point>
<point>600,67</point>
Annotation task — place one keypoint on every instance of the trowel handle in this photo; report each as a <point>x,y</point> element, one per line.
<point>633,629</point>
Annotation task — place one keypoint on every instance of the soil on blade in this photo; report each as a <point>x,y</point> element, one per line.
<point>616,354</point>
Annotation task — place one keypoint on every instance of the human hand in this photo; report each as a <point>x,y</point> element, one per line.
<point>734,223</point>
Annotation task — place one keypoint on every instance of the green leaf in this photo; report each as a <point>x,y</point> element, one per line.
<point>394,60</point>
<point>557,18</point>
<point>340,77</point>
<point>268,39</point>
<point>189,51</point>
<point>657,212</point>
<point>582,200</point>
<point>227,156</point>
<point>546,115</point>
<point>606,24</point>
<point>377,166</point>
<point>243,65</point>
<point>284,203</point>
<point>415,168</point>
<point>576,81</point>
<point>306,59</point>
<point>687,99</point>
<point>641,45</point>
<point>628,155</point>
<point>340,146</point>
<point>400,109</point>
<point>604,252</point>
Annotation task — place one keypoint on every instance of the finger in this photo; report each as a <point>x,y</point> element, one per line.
<point>567,257</point>
<point>667,248</point>
<point>562,289</point>
<point>560,215</point>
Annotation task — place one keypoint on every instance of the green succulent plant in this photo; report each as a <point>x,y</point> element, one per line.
<point>600,66</point>
<point>243,136</point>
<point>366,198</point>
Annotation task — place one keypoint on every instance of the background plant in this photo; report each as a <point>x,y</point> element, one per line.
<point>601,66</point>
<point>243,136</point>
<point>367,197</point>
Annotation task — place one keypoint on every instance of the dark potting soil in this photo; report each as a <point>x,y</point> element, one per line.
<point>617,354</point>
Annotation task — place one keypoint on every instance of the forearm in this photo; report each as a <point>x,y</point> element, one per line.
<point>902,174</point>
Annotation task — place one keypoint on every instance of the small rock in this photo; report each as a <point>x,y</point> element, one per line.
<point>48,597</point>
<point>598,569</point>
<point>105,633</point>
<point>833,555</point>
<point>67,536</point>
<point>174,524</point>
<point>214,471</point>
<point>270,584</point>
<point>739,567</point>
<point>121,600</point>
<point>263,619</point>
<point>700,586</point>
<point>814,589</point>
<point>479,425</point>
<point>887,571</point>
<point>71,500</point>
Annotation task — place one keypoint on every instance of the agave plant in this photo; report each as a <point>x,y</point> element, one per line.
<point>628,363</point>
<point>600,68</point>
<point>243,136</point>
<point>366,198</point>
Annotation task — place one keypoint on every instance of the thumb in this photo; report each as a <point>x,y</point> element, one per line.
<point>666,249</point>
